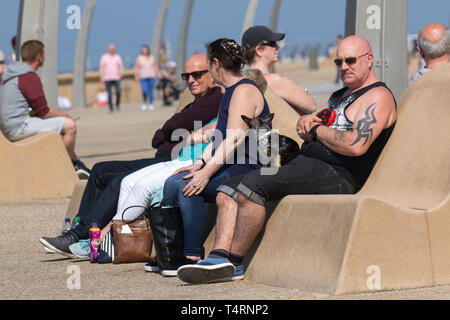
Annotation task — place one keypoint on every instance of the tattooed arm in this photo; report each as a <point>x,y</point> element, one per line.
<point>375,113</point>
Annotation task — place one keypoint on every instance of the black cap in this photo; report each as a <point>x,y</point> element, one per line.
<point>254,35</point>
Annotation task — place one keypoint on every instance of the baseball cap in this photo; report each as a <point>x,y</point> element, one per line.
<point>254,35</point>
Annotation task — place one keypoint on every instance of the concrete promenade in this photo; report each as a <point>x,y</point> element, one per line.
<point>27,272</point>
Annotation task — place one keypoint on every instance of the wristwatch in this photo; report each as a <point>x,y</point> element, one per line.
<point>313,133</point>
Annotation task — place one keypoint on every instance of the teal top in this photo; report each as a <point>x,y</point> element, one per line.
<point>193,152</point>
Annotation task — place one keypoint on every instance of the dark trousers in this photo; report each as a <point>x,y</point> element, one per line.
<point>116,85</point>
<point>99,202</point>
<point>302,175</point>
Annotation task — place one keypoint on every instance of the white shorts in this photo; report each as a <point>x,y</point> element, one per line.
<point>35,125</point>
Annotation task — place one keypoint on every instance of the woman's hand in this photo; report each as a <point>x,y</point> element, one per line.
<point>200,180</point>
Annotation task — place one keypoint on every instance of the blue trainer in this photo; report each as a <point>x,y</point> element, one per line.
<point>81,249</point>
<point>238,272</point>
<point>207,270</point>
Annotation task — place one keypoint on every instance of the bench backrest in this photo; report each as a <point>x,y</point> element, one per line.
<point>414,168</point>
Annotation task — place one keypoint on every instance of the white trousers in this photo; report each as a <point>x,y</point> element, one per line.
<point>143,186</point>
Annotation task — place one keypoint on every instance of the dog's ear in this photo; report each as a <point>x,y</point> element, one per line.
<point>247,120</point>
<point>269,118</point>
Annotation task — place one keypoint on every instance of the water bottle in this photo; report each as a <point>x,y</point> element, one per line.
<point>75,223</point>
<point>94,245</point>
<point>66,225</point>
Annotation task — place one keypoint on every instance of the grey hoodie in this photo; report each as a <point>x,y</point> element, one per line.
<point>14,107</point>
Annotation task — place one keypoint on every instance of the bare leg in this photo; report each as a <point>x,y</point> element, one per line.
<point>226,221</point>
<point>193,258</point>
<point>68,133</point>
<point>250,221</point>
<point>105,231</point>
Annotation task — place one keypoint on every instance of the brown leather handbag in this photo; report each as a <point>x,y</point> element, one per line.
<point>132,240</point>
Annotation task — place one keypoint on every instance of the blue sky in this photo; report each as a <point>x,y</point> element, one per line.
<point>129,23</point>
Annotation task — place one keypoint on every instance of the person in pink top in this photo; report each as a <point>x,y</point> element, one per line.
<point>111,71</point>
<point>146,70</point>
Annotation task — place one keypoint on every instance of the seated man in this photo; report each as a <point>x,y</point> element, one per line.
<point>333,160</point>
<point>99,202</point>
<point>23,107</point>
<point>433,43</point>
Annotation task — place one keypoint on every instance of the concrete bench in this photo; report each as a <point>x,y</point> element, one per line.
<point>37,167</point>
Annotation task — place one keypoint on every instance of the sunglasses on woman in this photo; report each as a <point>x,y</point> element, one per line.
<point>196,74</point>
<point>266,43</point>
<point>349,61</point>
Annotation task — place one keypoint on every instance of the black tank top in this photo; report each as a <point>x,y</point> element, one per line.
<point>355,169</point>
<point>250,160</point>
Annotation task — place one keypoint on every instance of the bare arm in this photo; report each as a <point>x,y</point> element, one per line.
<point>202,135</point>
<point>291,93</point>
<point>52,113</point>
<point>375,113</point>
<point>246,100</point>
<point>100,72</point>
<point>136,70</point>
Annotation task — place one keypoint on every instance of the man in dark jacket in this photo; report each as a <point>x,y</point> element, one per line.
<point>99,202</point>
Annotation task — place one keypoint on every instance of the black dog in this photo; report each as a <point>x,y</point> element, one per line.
<point>282,146</point>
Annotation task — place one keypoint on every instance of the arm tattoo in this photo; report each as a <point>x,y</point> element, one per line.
<point>339,135</point>
<point>363,129</point>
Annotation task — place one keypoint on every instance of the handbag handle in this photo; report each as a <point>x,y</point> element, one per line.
<point>140,216</point>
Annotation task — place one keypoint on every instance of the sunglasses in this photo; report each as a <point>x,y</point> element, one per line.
<point>266,43</point>
<point>196,75</point>
<point>349,61</point>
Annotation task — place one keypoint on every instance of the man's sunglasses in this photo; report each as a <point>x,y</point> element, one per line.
<point>349,60</point>
<point>196,74</point>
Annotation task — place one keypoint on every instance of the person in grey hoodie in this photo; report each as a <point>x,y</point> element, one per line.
<point>23,107</point>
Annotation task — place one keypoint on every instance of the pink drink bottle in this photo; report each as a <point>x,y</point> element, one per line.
<point>94,235</point>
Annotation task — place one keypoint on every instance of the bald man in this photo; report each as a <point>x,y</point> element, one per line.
<point>99,202</point>
<point>111,71</point>
<point>334,160</point>
<point>433,43</point>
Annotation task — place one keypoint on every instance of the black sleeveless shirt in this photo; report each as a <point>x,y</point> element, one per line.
<point>355,169</point>
<point>249,160</point>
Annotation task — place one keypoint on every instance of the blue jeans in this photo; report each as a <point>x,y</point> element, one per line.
<point>192,208</point>
<point>116,85</point>
<point>147,86</point>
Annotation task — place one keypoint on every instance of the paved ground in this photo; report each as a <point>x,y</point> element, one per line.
<point>27,272</point>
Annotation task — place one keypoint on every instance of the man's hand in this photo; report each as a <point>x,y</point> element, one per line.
<point>304,125</point>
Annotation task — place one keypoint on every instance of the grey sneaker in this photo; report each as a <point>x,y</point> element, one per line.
<point>60,244</point>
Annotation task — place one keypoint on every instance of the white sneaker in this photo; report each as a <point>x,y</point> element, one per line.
<point>144,107</point>
<point>151,107</point>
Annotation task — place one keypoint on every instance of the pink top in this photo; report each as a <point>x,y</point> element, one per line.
<point>111,66</point>
<point>146,66</point>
